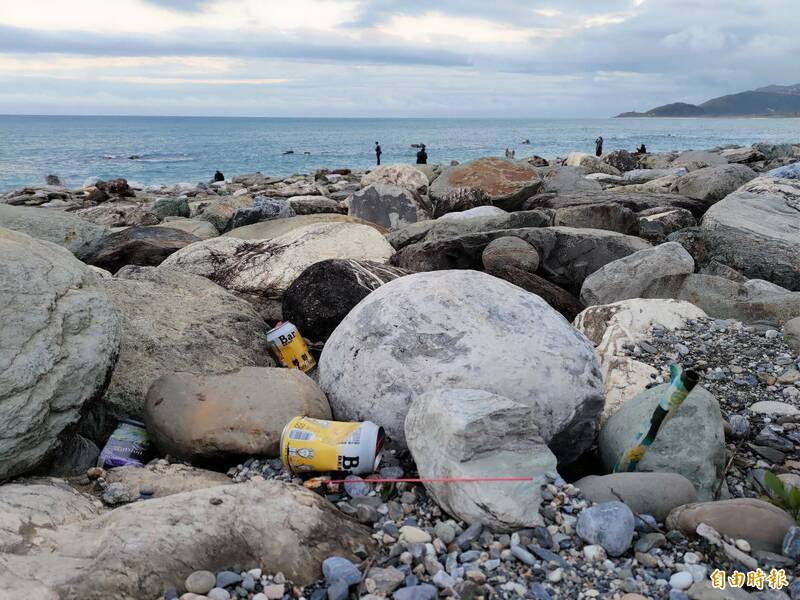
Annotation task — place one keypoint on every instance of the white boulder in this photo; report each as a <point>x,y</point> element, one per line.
<point>462,329</point>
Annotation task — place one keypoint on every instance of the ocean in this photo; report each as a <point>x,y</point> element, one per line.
<point>156,150</point>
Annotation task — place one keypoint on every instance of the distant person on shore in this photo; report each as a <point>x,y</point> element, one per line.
<point>218,176</point>
<point>422,156</point>
<point>510,154</point>
<point>378,153</point>
<point>641,149</point>
<point>598,146</point>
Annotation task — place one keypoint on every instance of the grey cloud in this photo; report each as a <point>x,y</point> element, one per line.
<point>203,43</point>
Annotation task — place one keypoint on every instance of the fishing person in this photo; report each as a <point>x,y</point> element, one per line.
<point>598,146</point>
<point>422,156</point>
<point>378,153</point>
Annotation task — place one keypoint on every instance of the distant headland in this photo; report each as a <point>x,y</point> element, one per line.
<point>769,101</point>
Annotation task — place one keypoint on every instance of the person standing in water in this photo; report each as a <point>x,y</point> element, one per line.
<point>378,153</point>
<point>422,156</point>
<point>598,146</point>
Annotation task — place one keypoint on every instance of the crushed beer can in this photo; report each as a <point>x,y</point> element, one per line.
<point>127,446</point>
<point>315,445</point>
<point>289,348</point>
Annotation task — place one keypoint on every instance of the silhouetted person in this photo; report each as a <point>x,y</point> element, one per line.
<point>378,152</point>
<point>422,156</point>
<point>598,146</point>
<point>641,150</point>
<point>218,176</point>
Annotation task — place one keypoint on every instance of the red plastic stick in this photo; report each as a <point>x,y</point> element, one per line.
<point>435,480</point>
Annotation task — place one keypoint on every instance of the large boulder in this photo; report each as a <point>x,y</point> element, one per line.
<point>262,209</point>
<point>60,341</point>
<point>444,228</point>
<point>567,255</point>
<point>612,217</point>
<point>625,197</point>
<point>199,417</point>
<point>405,176</point>
<point>762,524</point>
<point>312,205</point>
<point>621,325</point>
<point>567,180</point>
<point>654,494</point>
<point>712,184</point>
<point>139,550</point>
<point>691,443</point>
<point>220,212</point>
<point>431,329</point>
<point>557,297</point>
<point>119,214</point>
<point>141,246</point>
<point>505,182</point>
<point>754,230</point>
<point>472,434</point>
<point>197,227</point>
<point>40,503</point>
<point>268,230</point>
<point>656,224</point>
<point>325,292</point>
<point>165,480</point>
<point>791,171</point>
<point>460,199</point>
<point>590,164</point>
<point>389,206</point>
<point>173,322</point>
<point>622,160</point>
<point>67,230</point>
<point>628,277</point>
<point>693,160</point>
<point>724,298</point>
<point>263,270</point>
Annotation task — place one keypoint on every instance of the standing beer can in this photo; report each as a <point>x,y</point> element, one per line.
<point>289,347</point>
<point>315,445</point>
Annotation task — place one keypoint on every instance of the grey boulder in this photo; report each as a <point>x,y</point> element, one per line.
<point>432,329</point>
<point>712,184</point>
<point>173,322</point>
<point>271,525</point>
<point>510,252</point>
<point>65,229</point>
<point>60,342</point>
<point>390,206</point>
<point>754,231</point>
<point>407,177</point>
<point>629,276</point>
<point>472,434</point>
<point>644,493</point>
<point>691,443</point>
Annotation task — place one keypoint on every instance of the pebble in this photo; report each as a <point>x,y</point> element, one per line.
<point>609,524</point>
<point>681,581</point>
<point>338,568</point>
<point>355,486</point>
<point>218,593</point>
<point>338,590</point>
<point>274,591</point>
<point>414,535</point>
<point>200,582</point>
<point>227,578</point>
<point>417,592</point>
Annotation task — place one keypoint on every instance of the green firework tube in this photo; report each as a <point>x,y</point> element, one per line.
<point>681,383</point>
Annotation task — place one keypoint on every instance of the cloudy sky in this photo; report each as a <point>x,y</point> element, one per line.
<point>526,58</point>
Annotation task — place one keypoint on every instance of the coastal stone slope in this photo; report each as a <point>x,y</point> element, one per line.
<point>510,324</point>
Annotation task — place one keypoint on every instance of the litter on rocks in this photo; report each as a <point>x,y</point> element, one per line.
<point>289,348</point>
<point>681,383</point>
<point>315,445</point>
<point>127,446</point>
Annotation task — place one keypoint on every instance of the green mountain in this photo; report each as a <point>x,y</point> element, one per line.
<point>769,101</point>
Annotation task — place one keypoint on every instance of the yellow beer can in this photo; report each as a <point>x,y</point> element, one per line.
<point>289,348</point>
<point>315,445</point>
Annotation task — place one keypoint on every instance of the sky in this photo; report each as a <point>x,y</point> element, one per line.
<point>387,58</point>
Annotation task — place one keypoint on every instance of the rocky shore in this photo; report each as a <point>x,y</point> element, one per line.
<point>510,324</point>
